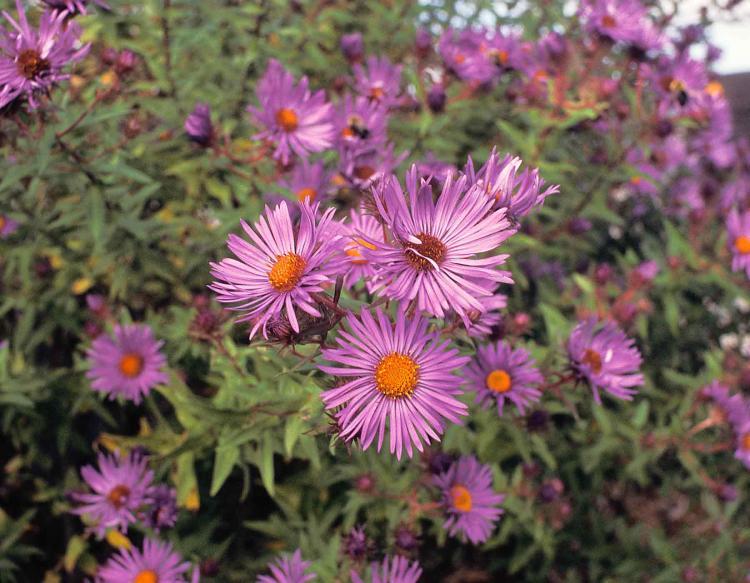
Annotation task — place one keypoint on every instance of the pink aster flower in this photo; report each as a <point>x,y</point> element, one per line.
<point>158,562</point>
<point>395,569</point>
<point>399,373</point>
<point>360,229</point>
<point>363,169</point>
<point>470,503</point>
<point>288,569</point>
<point>626,21</point>
<point>7,226</point>
<point>308,181</point>
<point>733,408</point>
<point>738,240</point>
<point>295,119</point>
<point>279,268</point>
<point>606,358</point>
<point>119,489</point>
<point>360,124</point>
<point>32,60</point>
<point>481,324</point>
<point>379,80</point>
<point>742,435</point>
<point>128,364</point>
<point>500,372</point>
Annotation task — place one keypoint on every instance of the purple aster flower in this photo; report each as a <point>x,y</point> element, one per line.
<point>462,56</point>
<point>295,119</point>
<point>128,364</point>
<point>401,374</point>
<point>738,240</point>
<point>435,254</point>
<point>74,6</point>
<point>360,124</point>
<point>352,47</point>
<point>481,323</point>
<point>733,408</point>
<point>395,569</point>
<point>162,508</point>
<point>605,357</point>
<point>626,21</point>
<point>682,82</point>
<point>119,488</point>
<point>379,81</point>
<point>308,181</point>
<point>158,562</point>
<point>469,501</point>
<point>363,170</point>
<point>198,125</point>
<point>7,226</point>
<point>288,569</point>
<point>32,60</point>
<point>361,229</point>
<point>647,271</point>
<point>279,268</point>
<point>500,372</point>
<point>434,170</point>
<point>518,192</point>
<point>742,434</point>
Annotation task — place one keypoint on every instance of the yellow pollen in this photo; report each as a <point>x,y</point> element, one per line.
<point>675,85</point>
<point>147,576</point>
<point>742,244</point>
<point>287,119</point>
<point>286,272</point>
<point>715,89</point>
<point>499,381</point>
<point>745,441</point>
<point>354,252</point>
<point>307,193</point>
<point>461,498</point>
<point>396,375</point>
<point>430,248</point>
<point>593,359</point>
<point>118,496</point>
<point>131,365</point>
<point>30,64</point>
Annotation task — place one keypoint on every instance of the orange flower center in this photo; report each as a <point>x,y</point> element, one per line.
<point>354,252</point>
<point>499,381</point>
<point>461,498</point>
<point>307,193</point>
<point>675,85</point>
<point>31,64</point>
<point>430,248</point>
<point>146,576</point>
<point>742,244</point>
<point>3,222</point>
<point>745,441</point>
<point>118,496</point>
<point>396,375</point>
<point>131,365</point>
<point>501,57</point>
<point>377,93</point>
<point>363,172</point>
<point>608,21</point>
<point>715,89</point>
<point>286,272</point>
<point>287,119</point>
<point>593,359</point>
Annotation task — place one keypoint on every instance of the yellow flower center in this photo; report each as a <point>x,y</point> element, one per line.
<point>593,359</point>
<point>118,496</point>
<point>430,248</point>
<point>499,381</point>
<point>354,252</point>
<point>30,64</point>
<point>396,375</point>
<point>675,85</point>
<point>715,89</point>
<point>307,193</point>
<point>131,365</point>
<point>742,244</point>
<point>287,119</point>
<point>461,498</point>
<point>146,576</point>
<point>286,272</point>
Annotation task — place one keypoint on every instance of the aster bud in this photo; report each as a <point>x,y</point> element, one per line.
<point>405,538</point>
<point>436,98</point>
<point>198,125</point>
<point>423,42</point>
<point>352,47</point>
<point>365,483</point>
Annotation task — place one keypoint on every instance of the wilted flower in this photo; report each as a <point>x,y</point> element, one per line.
<point>395,569</point>
<point>401,374</point>
<point>32,60</point>
<point>500,372</point>
<point>128,364</point>
<point>605,357</point>
<point>379,80</point>
<point>279,269</point>
<point>738,240</point>
<point>158,562</point>
<point>120,488</point>
<point>198,125</point>
<point>295,119</point>
<point>470,503</point>
<point>288,569</point>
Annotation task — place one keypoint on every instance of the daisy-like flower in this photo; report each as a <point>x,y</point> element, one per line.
<point>288,569</point>
<point>158,562</point>
<point>379,81</point>
<point>395,569</point>
<point>359,227</point>
<point>360,124</point>
<point>626,21</point>
<point>279,268</point>
<point>606,358</point>
<point>7,226</point>
<point>308,181</point>
<point>738,240</point>
<point>518,192</point>
<point>198,125</point>
<point>683,83</point>
<point>118,489</point>
<point>500,372</point>
<point>733,408</point>
<point>435,252</point>
<point>480,324</point>
<point>162,508</point>
<point>32,60</point>
<point>470,503</point>
<point>127,365</point>
<point>400,374</point>
<point>295,119</point>
<point>742,435</point>
<point>362,170</point>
